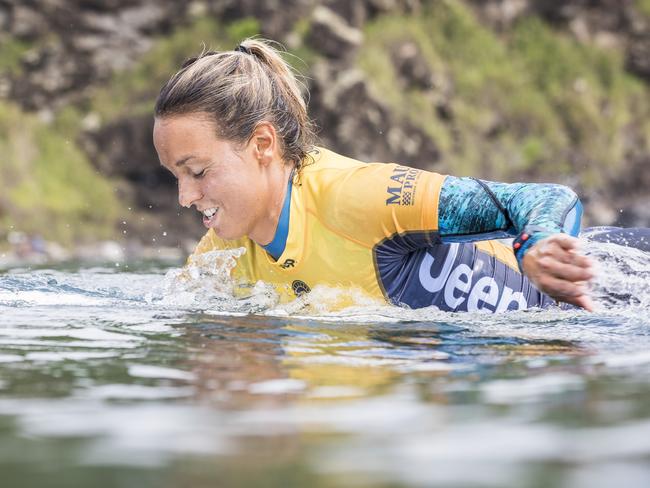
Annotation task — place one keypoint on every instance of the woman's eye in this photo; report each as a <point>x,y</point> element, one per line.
<point>199,174</point>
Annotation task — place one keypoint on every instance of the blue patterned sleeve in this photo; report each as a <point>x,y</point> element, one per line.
<point>477,210</point>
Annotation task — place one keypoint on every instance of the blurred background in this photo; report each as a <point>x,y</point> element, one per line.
<point>532,90</point>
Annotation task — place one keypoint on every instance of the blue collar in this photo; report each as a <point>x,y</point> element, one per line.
<point>276,247</point>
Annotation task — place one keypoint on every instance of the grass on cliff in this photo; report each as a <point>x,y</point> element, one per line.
<point>133,91</point>
<point>644,7</point>
<point>11,52</point>
<point>536,101</point>
<point>50,188</point>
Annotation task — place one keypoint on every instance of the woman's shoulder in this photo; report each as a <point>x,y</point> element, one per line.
<point>325,171</point>
<point>368,200</point>
<point>330,174</point>
<point>321,160</point>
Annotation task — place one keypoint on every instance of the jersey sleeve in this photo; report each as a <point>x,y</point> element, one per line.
<point>475,210</point>
<point>375,201</point>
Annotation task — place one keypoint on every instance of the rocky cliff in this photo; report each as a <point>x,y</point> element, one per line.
<point>501,89</point>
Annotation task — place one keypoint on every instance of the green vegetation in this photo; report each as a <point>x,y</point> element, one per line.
<point>132,92</point>
<point>537,102</point>
<point>302,57</point>
<point>644,7</point>
<point>594,99</point>
<point>533,103</point>
<point>53,189</point>
<point>11,51</point>
<point>50,188</point>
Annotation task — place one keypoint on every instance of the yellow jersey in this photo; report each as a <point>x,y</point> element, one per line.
<point>374,227</point>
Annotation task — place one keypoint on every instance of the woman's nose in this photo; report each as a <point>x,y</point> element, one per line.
<point>188,193</point>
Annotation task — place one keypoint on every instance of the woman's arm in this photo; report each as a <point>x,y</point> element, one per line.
<point>541,217</point>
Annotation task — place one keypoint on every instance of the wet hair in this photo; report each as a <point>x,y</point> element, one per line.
<point>239,89</point>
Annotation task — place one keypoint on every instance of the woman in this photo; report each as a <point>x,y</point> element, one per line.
<point>233,129</point>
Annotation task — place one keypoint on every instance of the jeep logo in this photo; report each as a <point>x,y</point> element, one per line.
<point>456,284</point>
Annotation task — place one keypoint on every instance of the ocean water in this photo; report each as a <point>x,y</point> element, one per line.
<point>150,376</point>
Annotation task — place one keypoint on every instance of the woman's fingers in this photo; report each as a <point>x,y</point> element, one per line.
<point>561,289</point>
<point>565,241</point>
<point>564,247</point>
<point>555,266</point>
<point>585,302</point>
<point>581,261</point>
<point>575,293</point>
<point>558,255</point>
<point>563,255</point>
<point>567,268</point>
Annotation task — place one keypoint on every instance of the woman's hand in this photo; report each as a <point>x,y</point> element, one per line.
<point>556,268</point>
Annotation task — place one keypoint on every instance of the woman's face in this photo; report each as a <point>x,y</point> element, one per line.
<point>230,185</point>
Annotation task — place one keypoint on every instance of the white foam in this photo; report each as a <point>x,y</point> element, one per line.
<point>529,390</point>
<point>336,392</point>
<point>135,392</point>
<point>50,356</point>
<point>277,386</point>
<point>88,333</point>
<point>624,360</point>
<point>10,358</point>
<point>151,371</point>
<point>24,298</point>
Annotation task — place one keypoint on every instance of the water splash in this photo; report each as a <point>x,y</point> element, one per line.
<point>622,284</point>
<point>623,276</point>
<point>206,283</point>
<point>621,291</point>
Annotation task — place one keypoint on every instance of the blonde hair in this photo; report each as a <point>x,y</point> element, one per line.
<point>239,89</point>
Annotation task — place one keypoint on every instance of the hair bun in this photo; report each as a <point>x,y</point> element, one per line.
<point>243,49</point>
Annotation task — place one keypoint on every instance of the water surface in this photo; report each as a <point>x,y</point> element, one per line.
<point>154,377</point>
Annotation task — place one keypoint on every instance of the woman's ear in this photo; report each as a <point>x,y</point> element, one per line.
<point>264,143</point>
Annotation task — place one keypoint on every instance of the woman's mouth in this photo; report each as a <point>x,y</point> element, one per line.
<point>209,214</point>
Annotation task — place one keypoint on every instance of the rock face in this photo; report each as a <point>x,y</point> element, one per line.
<point>354,123</point>
<point>332,35</point>
<point>78,44</point>
<point>81,43</point>
<point>611,23</point>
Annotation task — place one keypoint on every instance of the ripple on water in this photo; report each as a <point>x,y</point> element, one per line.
<point>150,369</point>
